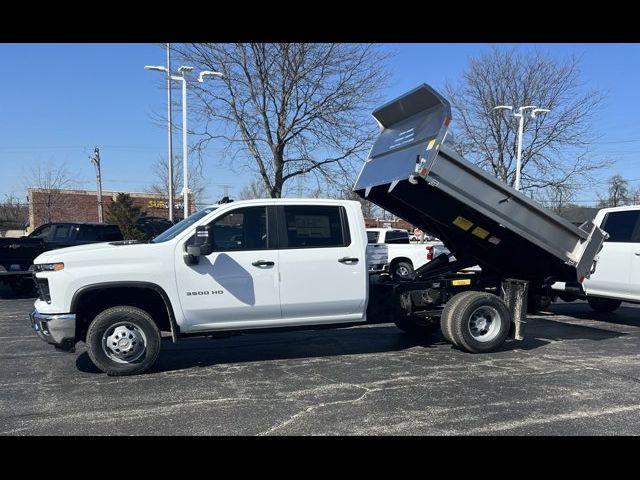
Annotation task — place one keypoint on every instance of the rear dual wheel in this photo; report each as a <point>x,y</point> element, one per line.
<point>476,322</point>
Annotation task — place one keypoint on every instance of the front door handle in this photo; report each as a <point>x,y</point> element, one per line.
<point>348,260</point>
<point>636,253</point>
<point>262,263</point>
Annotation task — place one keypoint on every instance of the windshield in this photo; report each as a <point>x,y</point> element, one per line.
<point>183,225</point>
<point>372,237</point>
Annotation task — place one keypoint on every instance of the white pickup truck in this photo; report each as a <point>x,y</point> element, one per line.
<point>616,278</point>
<point>260,265</point>
<point>404,257</point>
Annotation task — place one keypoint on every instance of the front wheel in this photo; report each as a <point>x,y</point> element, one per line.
<point>477,322</point>
<point>123,340</point>
<point>603,305</point>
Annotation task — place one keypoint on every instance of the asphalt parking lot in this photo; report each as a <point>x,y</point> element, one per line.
<point>574,375</point>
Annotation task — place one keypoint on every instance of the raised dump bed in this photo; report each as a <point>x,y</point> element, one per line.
<point>415,174</point>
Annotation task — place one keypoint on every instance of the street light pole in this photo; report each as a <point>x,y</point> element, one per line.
<point>170,133</point>
<point>183,70</point>
<point>520,117</point>
<point>185,163</point>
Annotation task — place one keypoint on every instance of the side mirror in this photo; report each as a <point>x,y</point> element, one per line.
<point>203,241</point>
<point>202,245</point>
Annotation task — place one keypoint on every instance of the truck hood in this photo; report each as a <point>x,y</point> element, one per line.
<point>89,251</point>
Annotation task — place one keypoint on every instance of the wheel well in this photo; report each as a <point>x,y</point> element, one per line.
<point>396,260</point>
<point>94,301</point>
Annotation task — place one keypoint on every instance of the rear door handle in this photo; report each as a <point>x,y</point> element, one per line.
<point>262,263</point>
<point>636,253</point>
<point>348,260</point>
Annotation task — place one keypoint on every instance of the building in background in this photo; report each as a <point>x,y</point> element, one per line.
<point>388,223</point>
<point>82,205</point>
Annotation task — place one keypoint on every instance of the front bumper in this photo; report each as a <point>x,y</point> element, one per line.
<point>56,329</point>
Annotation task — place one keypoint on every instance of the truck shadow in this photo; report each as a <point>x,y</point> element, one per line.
<point>205,352</point>
<point>541,331</point>
<point>625,315</point>
<point>381,338</point>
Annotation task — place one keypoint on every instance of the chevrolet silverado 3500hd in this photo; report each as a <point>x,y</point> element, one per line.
<point>301,263</point>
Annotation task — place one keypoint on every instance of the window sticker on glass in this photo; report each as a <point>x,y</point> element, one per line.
<point>317,226</point>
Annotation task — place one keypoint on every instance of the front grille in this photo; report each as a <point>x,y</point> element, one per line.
<point>42,285</point>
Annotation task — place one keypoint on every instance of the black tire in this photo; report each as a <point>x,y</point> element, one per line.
<point>477,307</point>
<point>133,317</point>
<point>603,305</point>
<point>567,297</point>
<point>402,270</point>
<point>414,325</point>
<point>446,325</point>
<point>537,303</point>
<point>23,286</point>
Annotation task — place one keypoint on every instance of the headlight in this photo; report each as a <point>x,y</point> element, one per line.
<point>48,267</point>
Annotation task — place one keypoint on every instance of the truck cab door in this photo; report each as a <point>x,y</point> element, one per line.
<point>237,284</point>
<point>617,272</point>
<point>323,272</point>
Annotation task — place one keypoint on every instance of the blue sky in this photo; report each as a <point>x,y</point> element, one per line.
<point>58,101</point>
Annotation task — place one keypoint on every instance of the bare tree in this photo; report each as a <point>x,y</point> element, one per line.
<point>13,213</point>
<point>555,149</point>
<point>288,109</point>
<point>558,196</point>
<point>619,193</point>
<point>51,178</point>
<point>160,169</point>
<point>252,190</point>
<point>369,210</point>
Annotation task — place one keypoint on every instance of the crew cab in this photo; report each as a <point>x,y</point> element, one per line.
<point>260,265</point>
<point>404,257</point>
<point>616,277</point>
<point>271,264</point>
<point>17,254</point>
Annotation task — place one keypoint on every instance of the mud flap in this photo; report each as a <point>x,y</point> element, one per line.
<point>514,293</point>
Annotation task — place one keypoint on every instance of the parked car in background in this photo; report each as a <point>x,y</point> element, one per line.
<point>153,226</point>
<point>17,254</point>
<point>404,257</point>
<point>616,277</point>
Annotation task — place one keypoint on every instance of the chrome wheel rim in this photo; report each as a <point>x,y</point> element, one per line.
<point>484,324</point>
<point>402,271</point>
<point>124,342</point>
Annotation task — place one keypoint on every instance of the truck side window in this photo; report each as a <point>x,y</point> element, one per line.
<point>397,236</point>
<point>241,229</point>
<point>42,232</point>
<point>316,226</point>
<point>87,233</point>
<point>372,237</point>
<point>62,232</point>
<point>622,226</point>
<point>110,233</point>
